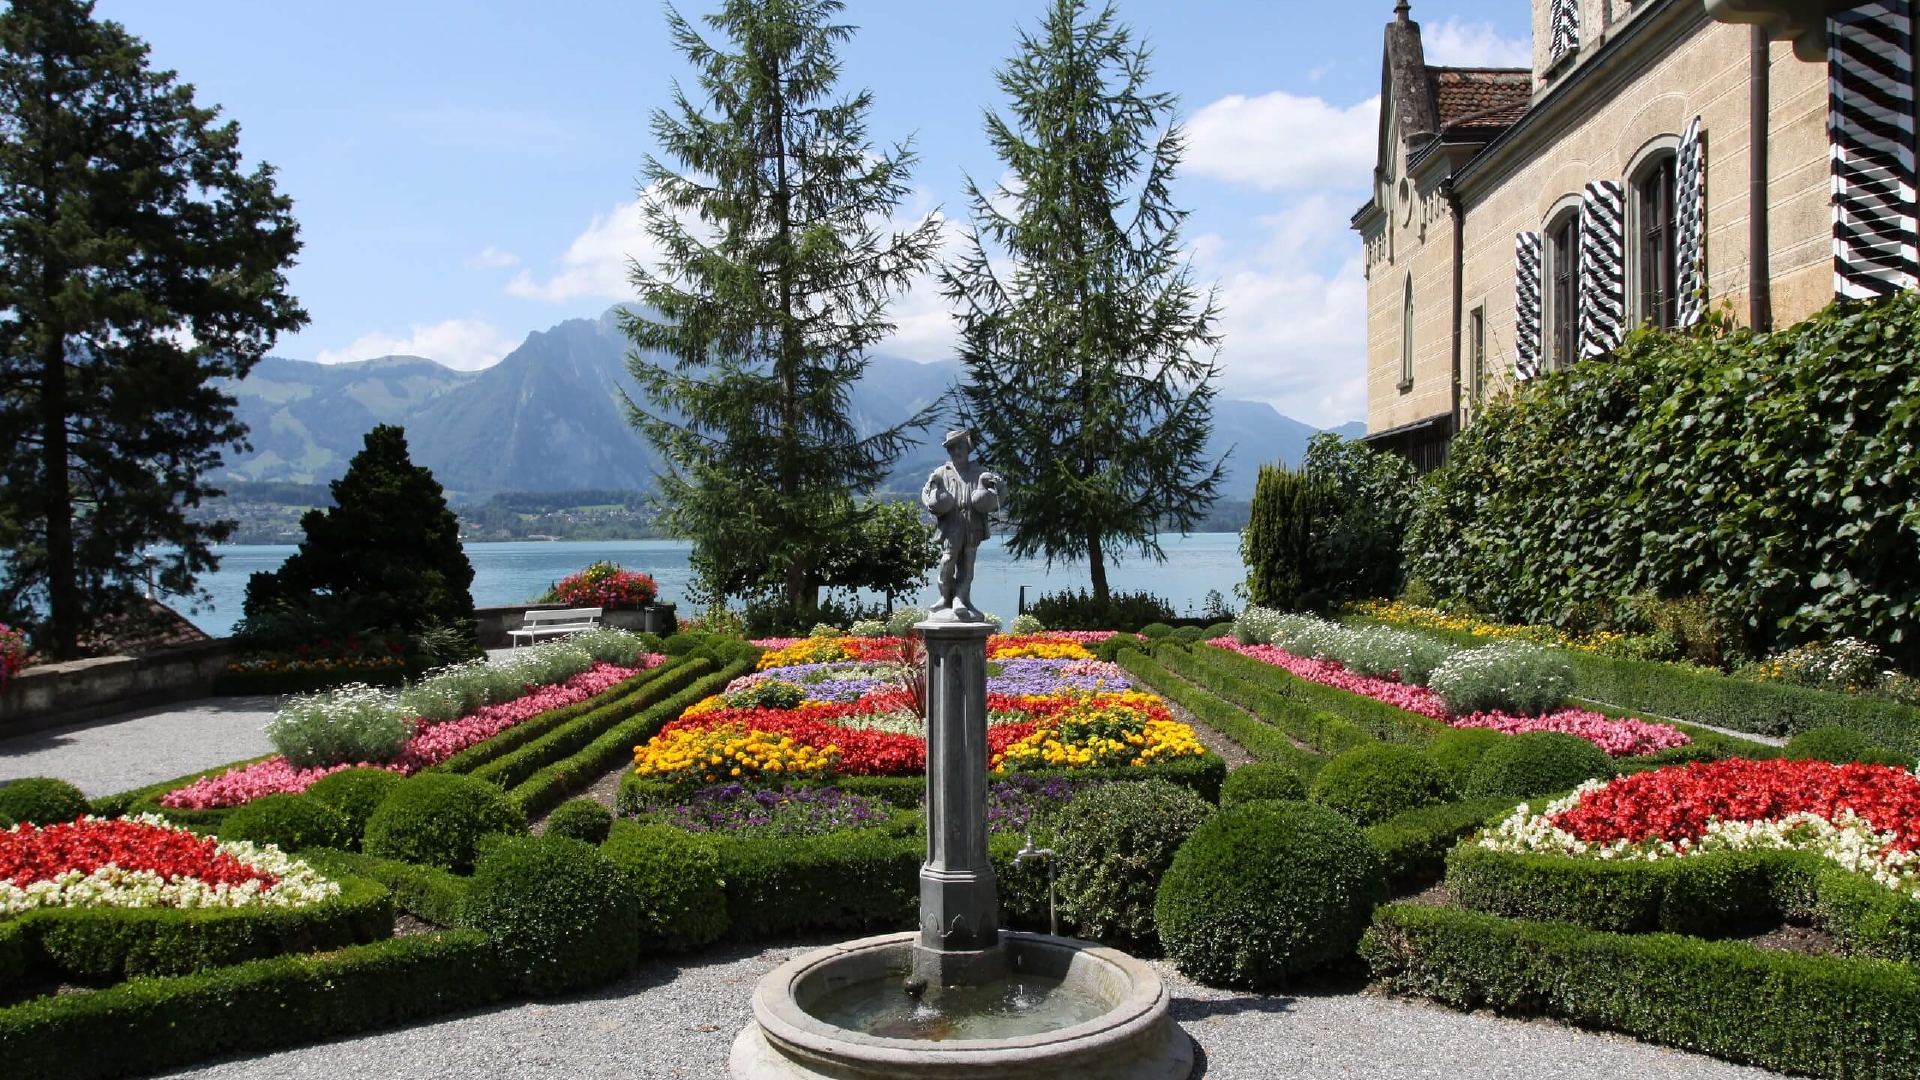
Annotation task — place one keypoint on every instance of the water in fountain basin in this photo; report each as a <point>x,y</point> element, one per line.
<point>1001,1009</point>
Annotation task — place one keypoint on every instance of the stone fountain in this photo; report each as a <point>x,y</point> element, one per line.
<point>959,997</point>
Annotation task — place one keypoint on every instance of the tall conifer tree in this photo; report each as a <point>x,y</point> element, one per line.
<point>776,268</point>
<point>138,264</point>
<point>1089,349</point>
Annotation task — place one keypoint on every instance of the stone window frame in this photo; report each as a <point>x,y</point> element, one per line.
<point>1406,337</point>
<point>1566,207</point>
<point>1652,153</point>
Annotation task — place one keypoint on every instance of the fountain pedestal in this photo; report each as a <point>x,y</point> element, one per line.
<point>959,942</point>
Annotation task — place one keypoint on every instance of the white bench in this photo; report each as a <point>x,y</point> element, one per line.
<point>538,624</point>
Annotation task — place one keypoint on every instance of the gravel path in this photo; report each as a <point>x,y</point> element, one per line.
<point>144,747</point>
<point>680,1021</point>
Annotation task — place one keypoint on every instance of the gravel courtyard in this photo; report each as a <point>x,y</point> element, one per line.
<point>135,749</point>
<point>680,1021</point>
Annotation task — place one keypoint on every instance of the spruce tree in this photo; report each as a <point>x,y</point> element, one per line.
<point>138,264</point>
<point>386,556</point>
<point>774,282</point>
<point>1089,350</point>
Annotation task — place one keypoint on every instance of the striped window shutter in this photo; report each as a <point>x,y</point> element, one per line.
<point>1690,225</point>
<point>1870,142</point>
<point>1526,304</point>
<point>1603,263</point>
<point>1565,27</point>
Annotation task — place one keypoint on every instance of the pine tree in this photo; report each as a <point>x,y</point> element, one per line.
<point>774,283</point>
<point>386,556</point>
<point>1089,350</point>
<point>138,264</point>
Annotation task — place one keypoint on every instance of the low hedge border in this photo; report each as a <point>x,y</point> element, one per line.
<point>1716,895</point>
<point>1719,743</point>
<point>1820,1016</point>
<point>1259,739</point>
<point>554,783</point>
<point>1415,844</point>
<point>145,1025</point>
<point>99,945</point>
<point>480,754</point>
<point>1326,732</point>
<point>1383,721</point>
<point>425,892</point>
<point>512,768</point>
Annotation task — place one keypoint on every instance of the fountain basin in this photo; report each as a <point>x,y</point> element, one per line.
<point>1111,1010</point>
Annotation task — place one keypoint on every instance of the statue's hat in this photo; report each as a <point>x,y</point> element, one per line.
<point>956,435</point>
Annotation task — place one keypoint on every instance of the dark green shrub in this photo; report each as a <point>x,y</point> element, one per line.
<point>1218,630</point>
<point>290,822</point>
<point>1188,635</point>
<point>356,793</point>
<point>425,892</point>
<point>1078,610</point>
<point>1110,649</point>
<point>1537,763</point>
<point>1285,542</point>
<point>1459,750</point>
<point>580,819</point>
<point>855,880</point>
<point>674,877</point>
<point>437,818</point>
<point>41,800</point>
<point>1375,781</point>
<point>1265,892</point>
<point>562,915</point>
<point>681,644</point>
<point>1838,745</point>
<point>1155,631</point>
<point>1113,842</point>
<point>1414,845</point>
<point>1261,780</point>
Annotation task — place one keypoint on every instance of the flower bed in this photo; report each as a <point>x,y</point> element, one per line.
<point>1864,817</point>
<point>605,585</point>
<point>735,809</point>
<point>850,715</point>
<point>143,862</point>
<point>430,743</point>
<point>1619,738</point>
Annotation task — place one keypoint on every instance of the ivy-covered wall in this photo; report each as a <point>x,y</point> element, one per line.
<point>1776,475</point>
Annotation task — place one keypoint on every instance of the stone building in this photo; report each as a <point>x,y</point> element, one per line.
<point>1525,218</point>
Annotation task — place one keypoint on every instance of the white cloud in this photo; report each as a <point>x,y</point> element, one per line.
<point>1294,329</point>
<point>464,344</point>
<point>595,265</point>
<point>492,258</point>
<point>1457,44</point>
<point>1281,141</point>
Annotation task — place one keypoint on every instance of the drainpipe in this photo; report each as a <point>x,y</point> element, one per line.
<point>1759,283</point>
<point>1459,260</point>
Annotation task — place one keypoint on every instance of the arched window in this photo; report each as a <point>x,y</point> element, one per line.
<point>1406,338</point>
<point>1652,290</point>
<point>1561,296</point>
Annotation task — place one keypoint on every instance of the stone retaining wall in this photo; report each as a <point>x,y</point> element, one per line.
<point>54,695</point>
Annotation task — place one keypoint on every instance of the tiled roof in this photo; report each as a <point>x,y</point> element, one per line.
<point>1480,98</point>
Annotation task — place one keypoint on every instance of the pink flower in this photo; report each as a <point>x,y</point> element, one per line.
<point>1620,738</point>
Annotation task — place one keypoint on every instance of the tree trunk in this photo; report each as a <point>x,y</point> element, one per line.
<point>63,591</point>
<point>1097,563</point>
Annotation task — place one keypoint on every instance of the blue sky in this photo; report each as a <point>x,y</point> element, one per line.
<point>465,173</point>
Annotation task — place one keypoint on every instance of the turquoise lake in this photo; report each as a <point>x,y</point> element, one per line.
<point>516,573</point>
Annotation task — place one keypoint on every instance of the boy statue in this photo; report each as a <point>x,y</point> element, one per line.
<point>960,494</point>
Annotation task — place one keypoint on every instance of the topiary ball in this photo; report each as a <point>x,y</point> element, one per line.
<point>580,819</point>
<point>1267,891</point>
<point>1112,843</point>
<point>42,800</point>
<point>674,876</point>
<point>1189,635</point>
<point>1375,781</point>
<point>289,822</point>
<point>1218,630</point>
<point>356,793</point>
<point>1835,744</point>
<point>1110,649</point>
<point>1537,763</point>
<point>561,914</point>
<point>1261,780</point>
<point>437,818</point>
<point>1155,631</point>
<point>1459,750</point>
<point>680,644</point>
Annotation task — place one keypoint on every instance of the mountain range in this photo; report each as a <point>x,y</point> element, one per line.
<point>550,417</point>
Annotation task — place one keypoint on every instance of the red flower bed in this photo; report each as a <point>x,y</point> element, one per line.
<point>1677,803</point>
<point>28,855</point>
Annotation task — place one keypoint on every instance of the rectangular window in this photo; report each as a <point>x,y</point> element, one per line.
<point>1477,350</point>
<point>1655,264</point>
<point>1565,298</point>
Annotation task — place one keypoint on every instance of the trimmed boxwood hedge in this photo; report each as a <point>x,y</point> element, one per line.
<point>425,892</point>
<point>1414,845</point>
<point>561,914</point>
<point>145,1025</point>
<point>108,944</point>
<point>523,733</point>
<point>41,800</point>
<point>1261,780</point>
<point>1537,763</point>
<point>1377,781</point>
<point>438,818</point>
<point>289,822</point>
<point>356,793</point>
<point>514,767</point>
<point>1263,741</point>
<point>1381,720</point>
<point>1822,1016</point>
<point>674,876</point>
<point>1323,731</point>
